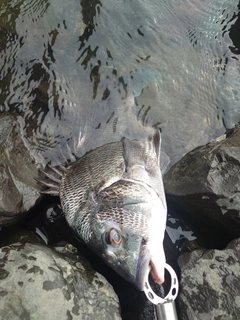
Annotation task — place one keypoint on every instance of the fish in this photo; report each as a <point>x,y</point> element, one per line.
<point>113,198</point>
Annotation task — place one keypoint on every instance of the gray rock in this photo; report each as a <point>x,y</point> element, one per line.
<point>38,283</point>
<point>210,284</point>
<point>18,189</point>
<point>206,184</point>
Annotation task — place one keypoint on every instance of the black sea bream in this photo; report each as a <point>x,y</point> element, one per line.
<point>113,198</point>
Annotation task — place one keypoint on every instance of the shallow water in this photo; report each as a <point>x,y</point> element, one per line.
<point>83,74</point>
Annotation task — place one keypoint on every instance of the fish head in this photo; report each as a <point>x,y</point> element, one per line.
<point>127,232</point>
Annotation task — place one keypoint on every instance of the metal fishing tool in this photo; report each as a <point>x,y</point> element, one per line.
<point>164,307</point>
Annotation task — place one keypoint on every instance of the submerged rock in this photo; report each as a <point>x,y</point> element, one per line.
<point>210,284</point>
<point>37,282</point>
<point>206,184</point>
<point>18,190</point>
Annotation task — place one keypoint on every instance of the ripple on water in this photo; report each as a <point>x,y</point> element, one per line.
<point>88,73</point>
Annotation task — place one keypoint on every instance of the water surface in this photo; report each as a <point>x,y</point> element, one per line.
<point>80,74</point>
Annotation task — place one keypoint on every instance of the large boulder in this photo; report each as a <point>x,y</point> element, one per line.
<point>210,284</point>
<point>206,185</point>
<point>36,282</point>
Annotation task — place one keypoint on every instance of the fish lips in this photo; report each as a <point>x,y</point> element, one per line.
<point>137,272</point>
<point>148,263</point>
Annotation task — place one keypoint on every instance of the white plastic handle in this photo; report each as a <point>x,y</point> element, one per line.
<point>172,294</point>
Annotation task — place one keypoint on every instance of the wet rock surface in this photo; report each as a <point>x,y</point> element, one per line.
<point>205,185</point>
<point>210,284</point>
<point>18,190</point>
<point>37,282</point>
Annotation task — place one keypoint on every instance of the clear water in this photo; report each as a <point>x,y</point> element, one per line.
<point>83,73</point>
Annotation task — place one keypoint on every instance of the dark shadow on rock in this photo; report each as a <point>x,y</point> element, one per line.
<point>204,187</point>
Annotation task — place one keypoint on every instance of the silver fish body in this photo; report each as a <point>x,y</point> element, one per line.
<point>113,198</point>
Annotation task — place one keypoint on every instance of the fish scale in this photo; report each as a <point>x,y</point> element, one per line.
<point>92,170</point>
<point>124,192</point>
<point>127,218</point>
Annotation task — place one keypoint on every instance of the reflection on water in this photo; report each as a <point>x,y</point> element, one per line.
<point>176,232</point>
<point>83,74</point>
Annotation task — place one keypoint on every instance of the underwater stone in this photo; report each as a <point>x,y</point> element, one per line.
<point>17,173</point>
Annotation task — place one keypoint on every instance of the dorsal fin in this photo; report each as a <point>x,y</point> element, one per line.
<point>157,144</point>
<point>136,152</point>
<point>164,162</point>
<point>141,158</point>
<point>53,179</point>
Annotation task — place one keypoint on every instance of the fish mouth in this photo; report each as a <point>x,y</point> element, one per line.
<point>157,274</point>
<point>149,265</point>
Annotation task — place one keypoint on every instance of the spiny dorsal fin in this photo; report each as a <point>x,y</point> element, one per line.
<point>140,152</point>
<point>141,159</point>
<point>53,180</point>
<point>163,159</point>
<point>164,162</point>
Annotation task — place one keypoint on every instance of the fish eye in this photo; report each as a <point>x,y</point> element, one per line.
<point>113,237</point>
